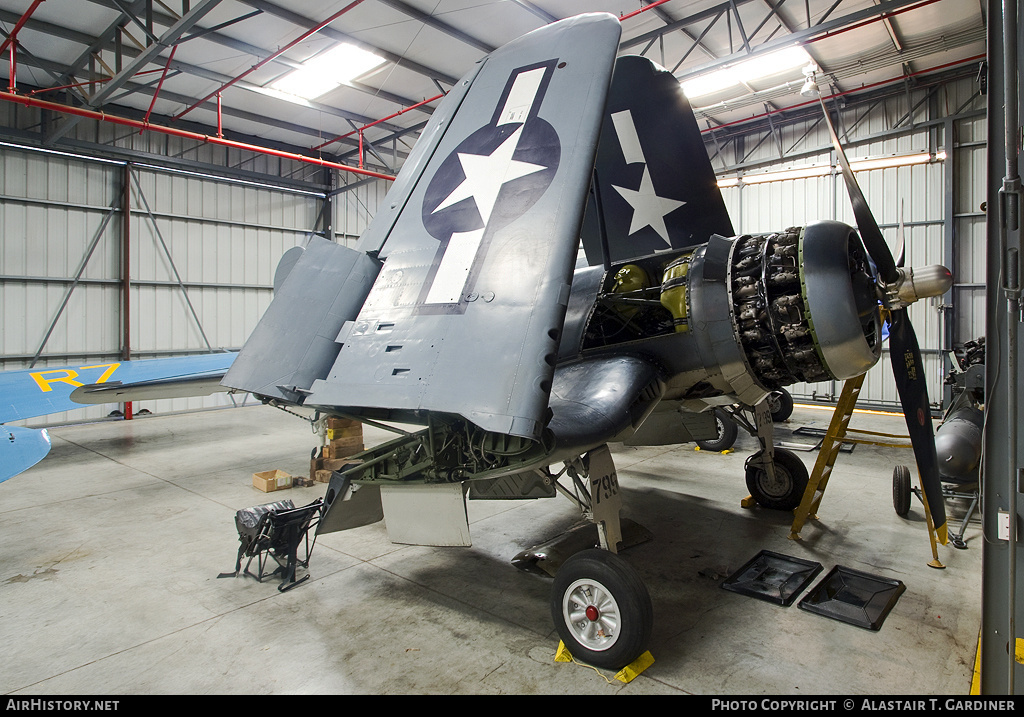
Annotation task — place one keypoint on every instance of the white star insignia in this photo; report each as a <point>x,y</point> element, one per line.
<point>486,174</point>
<point>649,210</point>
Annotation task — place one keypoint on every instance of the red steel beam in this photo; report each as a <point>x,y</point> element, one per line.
<point>645,8</point>
<point>138,124</point>
<point>87,82</point>
<point>126,282</point>
<point>376,122</point>
<point>13,34</point>
<point>160,86</point>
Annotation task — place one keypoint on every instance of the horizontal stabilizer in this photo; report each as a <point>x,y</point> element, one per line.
<point>117,392</point>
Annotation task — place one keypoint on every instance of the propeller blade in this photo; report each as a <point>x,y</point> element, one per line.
<point>910,382</point>
<point>903,241</point>
<point>870,234</point>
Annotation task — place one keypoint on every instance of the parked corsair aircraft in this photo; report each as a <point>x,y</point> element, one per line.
<point>464,309</point>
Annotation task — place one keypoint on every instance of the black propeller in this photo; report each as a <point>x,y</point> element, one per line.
<point>905,353</point>
<point>903,241</point>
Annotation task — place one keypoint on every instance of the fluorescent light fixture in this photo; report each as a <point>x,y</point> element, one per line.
<point>327,70</point>
<point>773,63</point>
<point>758,68</point>
<point>801,173</point>
<point>825,169</point>
<point>70,155</point>
<point>887,162</point>
<point>227,180</point>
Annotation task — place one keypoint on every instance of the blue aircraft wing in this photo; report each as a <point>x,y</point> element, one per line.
<point>37,392</point>
<point>20,449</point>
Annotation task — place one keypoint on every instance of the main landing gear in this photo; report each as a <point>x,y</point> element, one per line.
<point>728,431</point>
<point>783,487</point>
<point>780,406</point>
<point>601,609</point>
<point>599,603</point>
<point>776,477</point>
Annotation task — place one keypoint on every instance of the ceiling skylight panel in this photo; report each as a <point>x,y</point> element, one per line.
<point>779,62</point>
<point>321,74</point>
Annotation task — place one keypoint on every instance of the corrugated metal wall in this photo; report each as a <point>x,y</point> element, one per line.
<point>203,252</point>
<point>932,200</point>
<point>354,206</point>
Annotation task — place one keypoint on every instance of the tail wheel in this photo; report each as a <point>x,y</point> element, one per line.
<point>727,433</point>
<point>786,490</point>
<point>901,490</point>
<point>601,609</point>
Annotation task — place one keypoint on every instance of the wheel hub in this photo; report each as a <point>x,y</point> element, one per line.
<point>778,486</point>
<point>592,614</point>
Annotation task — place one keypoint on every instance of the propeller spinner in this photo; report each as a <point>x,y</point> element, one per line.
<point>897,287</point>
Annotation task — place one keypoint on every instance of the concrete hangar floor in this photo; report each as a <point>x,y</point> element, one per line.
<point>113,545</point>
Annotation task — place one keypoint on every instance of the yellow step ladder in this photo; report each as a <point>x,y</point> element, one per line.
<point>833,441</point>
<point>827,454</point>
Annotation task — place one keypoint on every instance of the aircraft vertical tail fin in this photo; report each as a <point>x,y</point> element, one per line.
<point>655,188</point>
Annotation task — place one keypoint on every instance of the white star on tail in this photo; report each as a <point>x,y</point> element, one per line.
<point>486,174</point>
<point>649,210</point>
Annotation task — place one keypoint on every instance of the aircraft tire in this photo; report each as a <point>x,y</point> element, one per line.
<point>727,433</point>
<point>615,594</point>
<point>780,403</point>
<point>901,490</point>
<point>788,489</point>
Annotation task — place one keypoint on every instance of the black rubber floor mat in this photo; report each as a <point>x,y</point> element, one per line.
<point>773,577</point>
<point>854,597</point>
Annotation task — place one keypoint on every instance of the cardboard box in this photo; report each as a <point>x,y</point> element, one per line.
<point>323,476</point>
<point>269,481</point>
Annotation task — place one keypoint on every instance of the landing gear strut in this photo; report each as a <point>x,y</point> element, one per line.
<point>599,603</point>
<point>776,477</point>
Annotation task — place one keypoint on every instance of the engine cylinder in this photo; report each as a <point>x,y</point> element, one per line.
<point>804,305</point>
